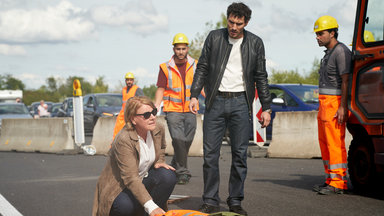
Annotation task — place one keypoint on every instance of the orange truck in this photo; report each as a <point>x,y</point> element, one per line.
<point>366,98</point>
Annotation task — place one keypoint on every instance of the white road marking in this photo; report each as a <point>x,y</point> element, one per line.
<point>6,209</point>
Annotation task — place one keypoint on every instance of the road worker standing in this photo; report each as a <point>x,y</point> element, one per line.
<point>174,83</point>
<point>129,90</point>
<point>333,111</point>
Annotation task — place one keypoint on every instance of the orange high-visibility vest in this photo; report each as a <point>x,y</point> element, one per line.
<point>120,118</point>
<point>129,94</point>
<point>177,95</point>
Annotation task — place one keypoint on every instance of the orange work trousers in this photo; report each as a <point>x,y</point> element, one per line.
<point>332,141</point>
<point>119,122</point>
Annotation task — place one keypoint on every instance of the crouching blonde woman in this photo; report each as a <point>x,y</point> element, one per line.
<point>136,180</point>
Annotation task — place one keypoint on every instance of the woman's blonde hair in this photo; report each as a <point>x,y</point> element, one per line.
<point>133,104</point>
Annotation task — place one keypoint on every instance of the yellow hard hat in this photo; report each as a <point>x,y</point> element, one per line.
<point>180,38</point>
<point>129,75</point>
<point>325,23</point>
<point>368,36</point>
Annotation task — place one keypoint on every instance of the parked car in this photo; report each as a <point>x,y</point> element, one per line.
<point>66,109</point>
<point>13,110</point>
<point>98,105</point>
<point>292,97</point>
<point>34,105</point>
<point>55,109</point>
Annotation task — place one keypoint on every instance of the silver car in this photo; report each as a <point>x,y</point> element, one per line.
<point>13,110</point>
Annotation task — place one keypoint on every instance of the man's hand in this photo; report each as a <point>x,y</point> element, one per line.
<point>265,119</point>
<point>157,211</point>
<point>159,97</point>
<point>341,115</point>
<point>193,105</point>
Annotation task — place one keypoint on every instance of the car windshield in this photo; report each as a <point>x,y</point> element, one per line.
<point>109,100</point>
<point>55,108</point>
<point>308,94</point>
<point>70,104</point>
<point>13,109</point>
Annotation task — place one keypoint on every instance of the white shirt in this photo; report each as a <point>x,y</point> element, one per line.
<point>233,80</point>
<point>147,157</point>
<point>43,110</point>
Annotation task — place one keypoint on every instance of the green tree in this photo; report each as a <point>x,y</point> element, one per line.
<point>30,96</point>
<point>198,42</point>
<point>11,83</point>
<point>150,91</point>
<point>52,84</point>
<point>100,86</point>
<point>291,76</point>
<point>313,76</point>
<point>56,90</point>
<point>66,89</point>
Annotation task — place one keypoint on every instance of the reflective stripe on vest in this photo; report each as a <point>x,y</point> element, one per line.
<point>176,98</point>
<point>327,91</point>
<point>333,176</point>
<point>338,166</point>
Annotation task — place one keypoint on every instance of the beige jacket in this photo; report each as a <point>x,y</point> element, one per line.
<point>121,170</point>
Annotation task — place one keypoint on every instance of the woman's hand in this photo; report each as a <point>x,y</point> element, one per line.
<point>157,212</point>
<point>164,165</point>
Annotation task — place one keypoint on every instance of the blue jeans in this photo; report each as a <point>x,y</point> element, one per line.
<point>231,113</point>
<point>159,184</point>
<point>182,128</point>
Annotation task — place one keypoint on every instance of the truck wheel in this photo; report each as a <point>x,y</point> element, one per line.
<point>361,165</point>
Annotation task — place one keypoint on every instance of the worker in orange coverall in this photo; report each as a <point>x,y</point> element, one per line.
<point>333,112</point>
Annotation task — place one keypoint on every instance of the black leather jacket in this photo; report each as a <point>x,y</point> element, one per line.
<point>214,58</point>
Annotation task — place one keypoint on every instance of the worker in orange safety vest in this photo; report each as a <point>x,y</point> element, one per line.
<point>129,90</point>
<point>333,112</point>
<point>174,83</point>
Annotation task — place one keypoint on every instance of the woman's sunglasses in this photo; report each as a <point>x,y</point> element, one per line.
<point>146,115</point>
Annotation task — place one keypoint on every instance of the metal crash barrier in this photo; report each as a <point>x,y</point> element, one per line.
<point>51,135</point>
<point>294,135</point>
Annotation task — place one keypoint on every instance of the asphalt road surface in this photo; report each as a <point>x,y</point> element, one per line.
<point>49,184</point>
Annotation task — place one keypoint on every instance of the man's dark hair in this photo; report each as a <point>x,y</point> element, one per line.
<point>336,30</point>
<point>239,9</point>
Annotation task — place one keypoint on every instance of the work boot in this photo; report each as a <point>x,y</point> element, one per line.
<point>206,208</point>
<point>183,179</point>
<point>318,187</point>
<point>238,209</point>
<point>328,190</point>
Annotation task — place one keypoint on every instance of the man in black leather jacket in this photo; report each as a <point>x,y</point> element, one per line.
<point>231,66</point>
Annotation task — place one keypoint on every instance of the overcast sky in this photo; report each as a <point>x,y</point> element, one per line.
<point>92,38</point>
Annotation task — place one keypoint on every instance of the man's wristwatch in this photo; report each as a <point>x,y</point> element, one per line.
<point>268,111</point>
